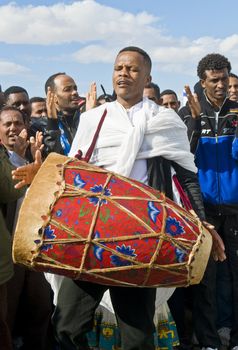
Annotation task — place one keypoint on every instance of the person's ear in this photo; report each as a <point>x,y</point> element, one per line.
<point>148,80</point>
<point>203,84</point>
<point>160,102</point>
<point>56,100</point>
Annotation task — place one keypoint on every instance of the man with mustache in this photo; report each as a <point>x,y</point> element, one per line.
<point>63,120</point>
<point>141,140</point>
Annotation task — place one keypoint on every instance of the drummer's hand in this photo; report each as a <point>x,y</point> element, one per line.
<point>218,248</point>
<point>91,97</point>
<point>50,104</point>
<point>36,143</point>
<point>26,173</point>
<point>193,102</point>
<point>21,143</point>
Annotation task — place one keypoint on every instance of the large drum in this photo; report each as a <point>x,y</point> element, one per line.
<point>87,223</point>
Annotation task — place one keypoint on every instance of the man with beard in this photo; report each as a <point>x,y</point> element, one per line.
<point>62,125</point>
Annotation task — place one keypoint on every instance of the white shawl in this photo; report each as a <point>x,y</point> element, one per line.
<point>158,131</point>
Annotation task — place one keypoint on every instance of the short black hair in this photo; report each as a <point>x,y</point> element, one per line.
<point>169,92</point>
<point>154,86</point>
<point>14,90</point>
<point>213,61</point>
<point>37,99</point>
<point>232,75</point>
<point>50,82</point>
<point>140,51</point>
<point>11,108</point>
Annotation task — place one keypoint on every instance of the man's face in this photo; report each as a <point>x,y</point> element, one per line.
<point>21,101</point>
<point>66,94</point>
<point>11,124</point>
<point>38,109</point>
<point>170,101</point>
<point>233,89</point>
<point>130,76</point>
<point>216,85</point>
<point>151,94</point>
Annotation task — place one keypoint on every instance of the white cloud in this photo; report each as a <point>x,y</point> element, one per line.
<point>11,68</point>
<point>81,21</point>
<point>100,31</point>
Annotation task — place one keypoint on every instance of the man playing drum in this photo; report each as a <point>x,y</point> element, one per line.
<point>143,141</point>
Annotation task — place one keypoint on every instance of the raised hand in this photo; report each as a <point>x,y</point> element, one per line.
<point>218,248</point>
<point>193,102</point>
<point>91,97</point>
<point>26,173</point>
<point>21,143</point>
<point>36,143</point>
<point>50,104</point>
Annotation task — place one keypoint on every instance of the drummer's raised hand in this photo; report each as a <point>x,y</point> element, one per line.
<point>36,143</point>
<point>26,173</point>
<point>193,102</point>
<point>218,248</point>
<point>50,104</point>
<point>21,143</point>
<point>91,97</point>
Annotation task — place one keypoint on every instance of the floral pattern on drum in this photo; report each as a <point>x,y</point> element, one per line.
<point>100,190</point>
<point>79,182</point>
<point>153,211</point>
<point>48,234</point>
<point>98,250</point>
<point>180,255</point>
<point>126,250</point>
<point>173,227</point>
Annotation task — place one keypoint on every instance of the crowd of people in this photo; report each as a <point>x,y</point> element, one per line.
<point>200,144</point>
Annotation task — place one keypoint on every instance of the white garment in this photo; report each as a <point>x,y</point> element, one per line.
<point>157,131</point>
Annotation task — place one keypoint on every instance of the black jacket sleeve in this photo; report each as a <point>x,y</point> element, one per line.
<point>52,138</point>
<point>159,177</point>
<point>193,125</point>
<point>190,184</point>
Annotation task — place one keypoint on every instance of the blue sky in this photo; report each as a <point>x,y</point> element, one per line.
<point>81,38</point>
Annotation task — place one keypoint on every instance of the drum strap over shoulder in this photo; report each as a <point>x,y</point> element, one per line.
<point>95,137</point>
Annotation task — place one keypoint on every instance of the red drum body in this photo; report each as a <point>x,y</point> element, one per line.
<point>87,223</point>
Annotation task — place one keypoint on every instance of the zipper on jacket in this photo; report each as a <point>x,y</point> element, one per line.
<point>218,174</point>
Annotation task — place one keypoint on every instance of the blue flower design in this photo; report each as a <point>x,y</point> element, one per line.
<point>78,181</point>
<point>49,233</point>
<point>153,211</point>
<point>173,227</point>
<point>99,189</point>
<point>126,250</point>
<point>58,213</point>
<point>46,247</point>
<point>180,255</point>
<point>98,250</point>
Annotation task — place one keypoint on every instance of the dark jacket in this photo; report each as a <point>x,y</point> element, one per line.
<point>53,134</point>
<point>159,177</point>
<point>7,194</point>
<point>213,139</point>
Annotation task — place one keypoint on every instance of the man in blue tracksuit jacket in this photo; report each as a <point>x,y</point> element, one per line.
<point>212,129</point>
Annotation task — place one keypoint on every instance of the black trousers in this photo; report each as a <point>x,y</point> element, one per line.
<point>205,308</point>
<point>30,308</point>
<point>5,335</point>
<point>76,305</point>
